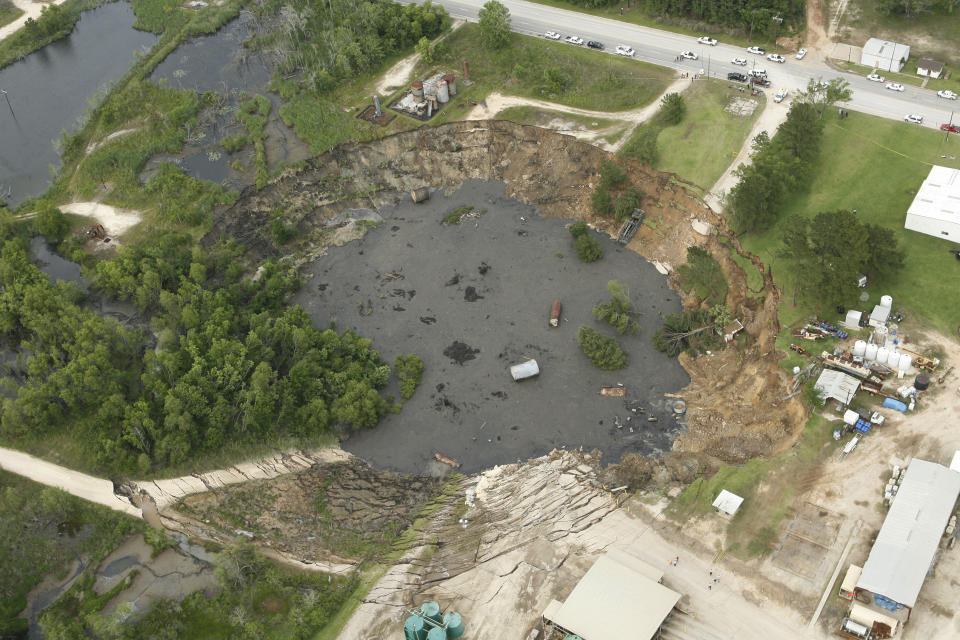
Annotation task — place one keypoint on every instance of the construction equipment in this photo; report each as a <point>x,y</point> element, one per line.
<point>921,361</point>
<point>630,226</point>
<point>799,349</point>
<point>96,231</point>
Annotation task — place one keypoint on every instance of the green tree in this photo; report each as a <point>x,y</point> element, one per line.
<point>494,20</point>
<point>408,369</point>
<point>703,274</point>
<point>611,174</point>
<point>672,109</point>
<point>588,248</point>
<point>626,203</point>
<point>600,200</point>
<point>604,352</point>
<point>618,311</point>
<point>823,95</point>
<point>885,255</point>
<point>578,229</point>
<point>691,331</point>
<point>51,223</point>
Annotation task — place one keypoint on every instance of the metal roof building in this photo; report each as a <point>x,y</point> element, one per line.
<point>885,55</point>
<point>935,209</point>
<point>907,542</point>
<point>727,502</point>
<point>837,385</point>
<point>619,597</point>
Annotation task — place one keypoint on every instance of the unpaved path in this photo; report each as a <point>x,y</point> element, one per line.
<point>30,10</point>
<point>772,116</point>
<point>115,221</point>
<point>497,102</point>
<point>397,75</point>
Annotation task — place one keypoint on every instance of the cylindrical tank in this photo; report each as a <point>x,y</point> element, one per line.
<point>882,354</point>
<point>859,348</point>
<point>417,89</point>
<point>893,360</point>
<point>451,83</point>
<point>413,629</point>
<point>429,88</point>
<point>886,301</point>
<point>419,194</point>
<point>437,633</point>
<point>431,610</point>
<point>443,93</point>
<point>679,407</point>
<point>871,352</point>
<point>454,624</point>
<point>921,382</point>
<point>905,361</point>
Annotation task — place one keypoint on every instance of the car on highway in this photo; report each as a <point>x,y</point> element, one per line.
<point>913,118</point>
<point>776,57</point>
<point>894,86</point>
<point>688,55</point>
<point>593,44</point>
<point>577,40</point>
<point>707,40</point>
<point>876,77</point>
<point>737,77</point>
<point>624,50</point>
<point>742,62</point>
<point>946,93</point>
<point>551,35</point>
<point>801,54</point>
<point>756,51</point>
<point>758,72</point>
<point>781,94</point>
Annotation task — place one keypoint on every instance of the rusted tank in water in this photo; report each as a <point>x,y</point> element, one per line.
<point>555,310</point>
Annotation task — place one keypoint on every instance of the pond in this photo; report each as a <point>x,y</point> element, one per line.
<point>473,299</point>
<point>49,92</point>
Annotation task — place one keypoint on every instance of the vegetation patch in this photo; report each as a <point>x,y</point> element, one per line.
<point>604,352</point>
<point>703,275</point>
<point>618,312</point>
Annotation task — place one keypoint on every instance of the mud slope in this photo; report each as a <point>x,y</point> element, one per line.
<point>734,398</point>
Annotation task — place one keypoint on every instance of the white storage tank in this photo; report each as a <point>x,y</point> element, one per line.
<point>859,348</point>
<point>443,94</point>
<point>886,301</point>
<point>871,352</point>
<point>893,360</point>
<point>850,417</point>
<point>882,354</point>
<point>905,361</point>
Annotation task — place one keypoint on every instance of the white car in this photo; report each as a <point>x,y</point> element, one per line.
<point>946,93</point>
<point>894,86</point>
<point>776,57</point>
<point>688,55</point>
<point>781,94</point>
<point>740,61</point>
<point>707,40</point>
<point>756,51</point>
<point>876,77</point>
<point>624,50</point>
<point>913,118</point>
<point>801,54</point>
<point>577,40</point>
<point>551,35</point>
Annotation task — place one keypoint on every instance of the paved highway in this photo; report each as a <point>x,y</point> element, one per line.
<point>662,48</point>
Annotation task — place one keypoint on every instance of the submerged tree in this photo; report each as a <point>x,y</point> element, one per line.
<point>618,311</point>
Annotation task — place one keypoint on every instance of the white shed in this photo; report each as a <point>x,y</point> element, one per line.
<point>935,209</point>
<point>884,55</point>
<point>727,502</point>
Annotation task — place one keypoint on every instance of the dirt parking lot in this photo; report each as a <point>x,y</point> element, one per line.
<point>473,299</point>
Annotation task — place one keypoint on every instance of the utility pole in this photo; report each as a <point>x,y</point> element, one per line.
<point>8,103</point>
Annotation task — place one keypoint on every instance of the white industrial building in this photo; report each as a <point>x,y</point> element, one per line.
<point>884,55</point>
<point>619,597</point>
<point>935,209</point>
<point>907,544</point>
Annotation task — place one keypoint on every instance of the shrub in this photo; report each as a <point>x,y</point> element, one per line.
<point>588,248</point>
<point>600,201</point>
<point>626,203</point>
<point>408,369</point>
<point>618,311</point>
<point>672,109</point>
<point>611,175</point>
<point>604,352</point>
<point>578,229</point>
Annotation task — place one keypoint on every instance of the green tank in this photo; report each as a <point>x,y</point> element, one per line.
<point>437,633</point>
<point>454,624</point>
<point>431,610</point>
<point>413,629</point>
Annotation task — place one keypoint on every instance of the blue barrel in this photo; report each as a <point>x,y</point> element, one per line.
<point>437,633</point>
<point>454,624</point>
<point>431,610</point>
<point>413,629</point>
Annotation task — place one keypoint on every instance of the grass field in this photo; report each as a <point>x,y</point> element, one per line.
<point>755,526</point>
<point>8,13</point>
<point>701,147</point>
<point>875,166</point>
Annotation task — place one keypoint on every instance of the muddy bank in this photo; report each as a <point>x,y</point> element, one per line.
<point>471,299</point>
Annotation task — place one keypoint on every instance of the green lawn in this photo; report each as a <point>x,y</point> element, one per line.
<point>876,165</point>
<point>8,13</point>
<point>700,148</point>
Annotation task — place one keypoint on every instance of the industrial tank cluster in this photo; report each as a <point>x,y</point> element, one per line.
<point>427,96</point>
<point>427,623</point>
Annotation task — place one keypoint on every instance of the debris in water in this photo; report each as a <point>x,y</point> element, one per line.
<point>483,268</point>
<point>471,295</point>
<point>427,319</point>
<point>460,352</point>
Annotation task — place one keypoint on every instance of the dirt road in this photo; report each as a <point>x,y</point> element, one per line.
<point>30,9</point>
<point>397,75</point>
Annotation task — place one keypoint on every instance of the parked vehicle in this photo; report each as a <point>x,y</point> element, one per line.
<point>756,51</point>
<point>593,44</point>
<point>577,40</point>
<point>781,95</point>
<point>624,50</point>
<point>876,77</point>
<point>707,40</point>
<point>950,128</point>
<point>801,54</point>
<point>555,310</point>
<point>758,73</point>
<point>737,77</point>
<point>776,57</point>
<point>894,86</point>
<point>551,35</point>
<point>913,118</point>
<point>946,93</point>
<point>688,55</point>
<point>740,62</point>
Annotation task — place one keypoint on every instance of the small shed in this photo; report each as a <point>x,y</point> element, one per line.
<point>849,584</point>
<point>929,67</point>
<point>727,502</point>
<point>852,321</point>
<point>731,330</point>
<point>837,385</point>
<point>884,55</point>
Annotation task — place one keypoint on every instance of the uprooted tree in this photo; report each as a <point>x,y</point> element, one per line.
<point>692,331</point>
<point>618,311</point>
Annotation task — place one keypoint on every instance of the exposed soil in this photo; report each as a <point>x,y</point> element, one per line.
<point>735,410</point>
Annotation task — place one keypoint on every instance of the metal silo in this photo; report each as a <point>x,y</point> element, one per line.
<point>417,89</point>
<point>437,633</point>
<point>413,629</point>
<point>451,83</point>
<point>454,624</point>
<point>443,93</point>
<point>431,610</point>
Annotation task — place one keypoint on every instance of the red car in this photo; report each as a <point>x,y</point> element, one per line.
<point>950,128</point>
